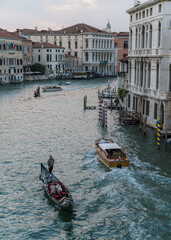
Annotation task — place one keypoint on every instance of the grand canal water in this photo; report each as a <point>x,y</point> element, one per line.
<point>122,204</point>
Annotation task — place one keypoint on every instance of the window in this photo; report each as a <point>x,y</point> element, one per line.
<point>115,45</point>
<point>157,77</point>
<point>151,11</point>
<point>170,78</point>
<point>60,43</point>
<point>160,8</point>
<point>38,58</point>
<point>155,110</point>
<point>131,18</point>
<point>76,44</point>
<point>125,44</point>
<point>133,103</point>
<point>143,106</point>
<point>76,54</point>
<point>151,30</point>
<point>159,34</point>
<point>47,58</point>
<point>0,61</point>
<point>86,43</point>
<point>136,16</point>
<point>140,15</point>
<point>129,101</point>
<point>143,14</point>
<point>147,13</point>
<point>0,46</point>
<point>147,107</point>
<point>69,45</point>
<point>86,57</point>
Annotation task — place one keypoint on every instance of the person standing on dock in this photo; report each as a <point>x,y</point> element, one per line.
<point>51,162</point>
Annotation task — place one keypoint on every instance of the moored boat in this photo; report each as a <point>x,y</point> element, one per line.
<point>51,89</point>
<point>111,154</point>
<point>63,199</point>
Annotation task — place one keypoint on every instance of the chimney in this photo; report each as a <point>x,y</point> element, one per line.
<point>136,2</point>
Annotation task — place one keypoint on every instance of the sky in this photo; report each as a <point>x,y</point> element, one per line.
<point>56,14</point>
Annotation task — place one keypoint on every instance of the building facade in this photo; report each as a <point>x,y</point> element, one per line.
<point>11,57</point>
<point>51,56</point>
<point>93,47</point>
<point>121,44</point>
<point>149,61</point>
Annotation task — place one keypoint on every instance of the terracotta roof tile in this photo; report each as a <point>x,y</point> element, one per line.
<point>6,34</point>
<point>77,28</point>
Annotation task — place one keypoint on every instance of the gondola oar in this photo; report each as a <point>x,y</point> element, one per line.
<point>34,179</point>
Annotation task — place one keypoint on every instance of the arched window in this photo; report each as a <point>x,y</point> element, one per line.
<point>157,76</point>
<point>69,45</point>
<point>130,41</point>
<point>149,75</point>
<point>146,36</point>
<point>136,38</point>
<point>0,61</point>
<point>76,44</point>
<point>60,43</point>
<point>86,43</point>
<point>143,37</point>
<point>151,29</point>
<point>170,78</point>
<point>159,34</point>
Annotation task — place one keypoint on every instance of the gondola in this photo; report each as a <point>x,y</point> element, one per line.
<point>36,94</point>
<point>64,200</point>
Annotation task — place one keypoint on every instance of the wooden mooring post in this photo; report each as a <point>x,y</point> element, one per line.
<point>165,142</point>
<point>145,120</point>
<point>85,102</point>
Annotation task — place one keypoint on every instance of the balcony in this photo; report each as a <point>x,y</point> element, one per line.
<point>11,51</point>
<point>122,74</point>
<point>147,92</point>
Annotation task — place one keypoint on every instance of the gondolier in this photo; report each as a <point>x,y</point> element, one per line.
<point>51,162</point>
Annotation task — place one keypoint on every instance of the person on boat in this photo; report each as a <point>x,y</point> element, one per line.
<point>102,141</point>
<point>38,90</point>
<point>51,162</point>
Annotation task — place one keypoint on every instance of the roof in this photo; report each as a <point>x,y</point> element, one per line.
<point>75,29</point>
<point>45,45</point>
<point>70,56</point>
<point>10,35</point>
<point>105,146</point>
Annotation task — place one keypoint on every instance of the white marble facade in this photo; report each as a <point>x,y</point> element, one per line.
<point>149,61</point>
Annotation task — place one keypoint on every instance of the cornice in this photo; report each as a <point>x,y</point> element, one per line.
<point>143,5</point>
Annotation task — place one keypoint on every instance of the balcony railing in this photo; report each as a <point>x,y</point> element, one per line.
<point>149,92</point>
<point>122,74</point>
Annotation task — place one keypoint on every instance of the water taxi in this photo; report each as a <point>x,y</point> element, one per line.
<point>111,154</point>
<point>51,89</point>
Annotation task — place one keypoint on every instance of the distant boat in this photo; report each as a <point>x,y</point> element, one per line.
<point>51,89</point>
<point>64,83</point>
<point>36,94</point>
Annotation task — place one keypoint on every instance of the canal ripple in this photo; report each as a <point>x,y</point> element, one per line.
<point>130,204</point>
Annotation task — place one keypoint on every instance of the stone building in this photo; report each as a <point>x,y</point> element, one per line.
<point>51,56</point>
<point>121,44</point>
<point>11,57</point>
<point>149,74</point>
<point>93,47</point>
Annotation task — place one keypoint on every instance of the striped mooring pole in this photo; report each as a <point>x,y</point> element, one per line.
<point>105,106</point>
<point>100,109</point>
<point>158,133</point>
